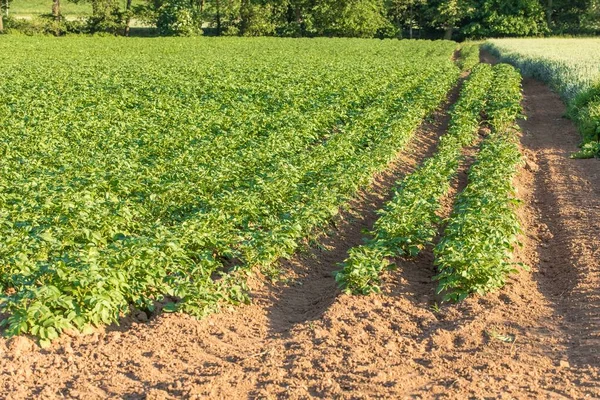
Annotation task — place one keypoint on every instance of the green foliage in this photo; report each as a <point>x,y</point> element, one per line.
<point>43,25</point>
<point>575,16</point>
<point>405,13</point>
<point>409,221</point>
<point>469,56</point>
<point>257,19</point>
<point>176,18</point>
<point>106,17</point>
<point>458,19</point>
<point>588,150</point>
<point>352,18</point>
<point>585,109</point>
<point>173,167</point>
<point>446,14</point>
<point>571,67</point>
<point>474,254</point>
<point>499,18</point>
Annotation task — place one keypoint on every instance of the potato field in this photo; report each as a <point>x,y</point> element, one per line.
<point>130,180</point>
<point>294,218</point>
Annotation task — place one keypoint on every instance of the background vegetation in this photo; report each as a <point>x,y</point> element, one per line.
<point>456,19</point>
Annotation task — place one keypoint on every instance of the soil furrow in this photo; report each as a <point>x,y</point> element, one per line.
<point>567,196</point>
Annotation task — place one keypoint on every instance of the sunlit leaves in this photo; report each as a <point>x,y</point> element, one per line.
<point>409,221</point>
<point>135,172</point>
<point>475,252</point>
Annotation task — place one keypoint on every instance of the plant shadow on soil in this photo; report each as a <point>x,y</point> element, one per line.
<point>311,288</point>
<point>414,278</point>
<point>567,194</point>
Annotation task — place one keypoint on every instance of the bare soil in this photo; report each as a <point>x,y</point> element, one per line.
<point>539,337</point>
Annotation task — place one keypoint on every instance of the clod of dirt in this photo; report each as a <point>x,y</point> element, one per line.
<point>564,364</point>
<point>20,345</point>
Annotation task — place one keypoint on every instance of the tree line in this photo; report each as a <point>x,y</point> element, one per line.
<point>450,19</point>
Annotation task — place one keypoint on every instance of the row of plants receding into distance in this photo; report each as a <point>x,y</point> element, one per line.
<point>147,190</point>
<point>474,252</point>
<point>408,223</point>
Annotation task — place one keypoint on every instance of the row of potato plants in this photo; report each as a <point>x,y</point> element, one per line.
<point>468,56</point>
<point>475,252</point>
<point>148,170</point>
<point>409,221</point>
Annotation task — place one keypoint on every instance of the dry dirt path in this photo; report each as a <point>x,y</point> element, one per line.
<point>537,338</point>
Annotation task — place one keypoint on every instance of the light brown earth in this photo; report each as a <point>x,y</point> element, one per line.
<point>539,337</point>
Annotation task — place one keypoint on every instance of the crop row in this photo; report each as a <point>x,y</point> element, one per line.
<point>149,174</point>
<point>409,221</point>
<point>475,252</point>
<point>468,56</point>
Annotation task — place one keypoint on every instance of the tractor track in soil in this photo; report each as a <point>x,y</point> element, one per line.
<point>302,338</point>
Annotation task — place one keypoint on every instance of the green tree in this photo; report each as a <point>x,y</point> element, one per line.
<point>171,17</point>
<point>296,18</point>
<point>4,6</point>
<point>106,15</point>
<point>592,17</point>
<point>259,17</point>
<point>449,14</point>
<point>128,15</point>
<point>568,15</point>
<point>56,10</point>
<point>223,15</point>
<point>353,18</point>
<point>178,18</point>
<point>498,18</point>
<point>406,14</point>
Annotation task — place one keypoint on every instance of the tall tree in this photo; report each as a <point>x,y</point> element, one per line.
<point>56,10</point>
<point>3,12</point>
<point>406,14</point>
<point>568,15</point>
<point>127,17</point>
<point>449,14</point>
<point>498,18</point>
<point>354,18</point>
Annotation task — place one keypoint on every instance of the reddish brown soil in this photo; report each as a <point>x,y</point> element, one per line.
<point>536,338</point>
